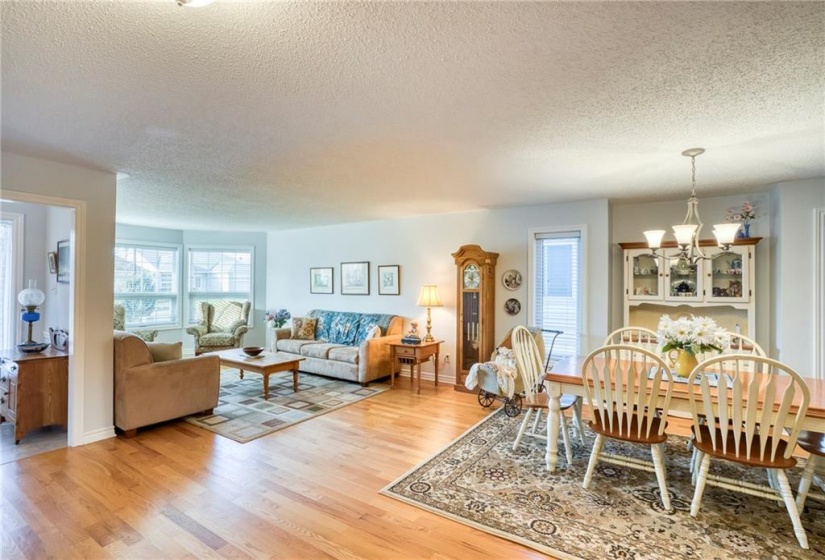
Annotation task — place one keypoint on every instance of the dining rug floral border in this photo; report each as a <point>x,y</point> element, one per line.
<point>243,415</point>
<point>478,480</point>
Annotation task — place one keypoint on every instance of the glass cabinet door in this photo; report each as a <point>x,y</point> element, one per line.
<point>645,275</point>
<point>470,319</point>
<point>726,275</point>
<point>682,280</point>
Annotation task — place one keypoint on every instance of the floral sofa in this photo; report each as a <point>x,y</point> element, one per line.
<point>346,345</point>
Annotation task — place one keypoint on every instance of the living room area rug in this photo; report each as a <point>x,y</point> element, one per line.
<point>242,413</point>
<point>478,480</point>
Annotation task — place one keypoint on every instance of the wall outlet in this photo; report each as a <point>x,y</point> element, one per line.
<point>446,359</point>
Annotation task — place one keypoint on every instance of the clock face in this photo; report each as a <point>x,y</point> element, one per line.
<point>472,278</point>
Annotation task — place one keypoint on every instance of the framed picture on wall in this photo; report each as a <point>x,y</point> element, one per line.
<point>389,280</point>
<point>320,280</point>
<point>63,264</point>
<point>355,278</point>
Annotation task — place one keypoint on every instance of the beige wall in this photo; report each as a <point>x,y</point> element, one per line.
<point>422,246</point>
<point>25,175</point>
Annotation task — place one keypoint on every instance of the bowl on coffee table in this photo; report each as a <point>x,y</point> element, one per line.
<point>252,351</point>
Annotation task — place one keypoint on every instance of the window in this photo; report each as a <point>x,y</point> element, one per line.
<point>218,275</point>
<point>557,297</point>
<point>146,284</point>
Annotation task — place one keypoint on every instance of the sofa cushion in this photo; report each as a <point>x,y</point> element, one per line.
<point>319,350</point>
<point>344,328</point>
<point>217,339</point>
<point>163,351</point>
<point>291,345</point>
<point>347,354</point>
<point>370,320</point>
<point>303,328</point>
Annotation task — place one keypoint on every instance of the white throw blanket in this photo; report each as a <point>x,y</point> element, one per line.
<point>504,367</point>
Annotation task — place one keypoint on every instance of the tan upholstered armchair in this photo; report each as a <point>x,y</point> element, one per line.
<point>221,327</point>
<point>119,323</point>
<point>154,384</point>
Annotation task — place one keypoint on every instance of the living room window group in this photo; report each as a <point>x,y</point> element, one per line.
<point>149,281</point>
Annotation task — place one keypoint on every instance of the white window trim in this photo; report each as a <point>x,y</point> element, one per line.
<point>531,267</point>
<point>179,247</point>
<point>19,227</point>
<point>211,247</point>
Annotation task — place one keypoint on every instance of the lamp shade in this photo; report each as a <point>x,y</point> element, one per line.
<point>684,233</point>
<point>725,233</point>
<point>31,297</point>
<point>429,296</point>
<point>654,237</point>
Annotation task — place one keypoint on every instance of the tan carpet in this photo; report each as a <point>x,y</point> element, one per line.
<point>480,481</point>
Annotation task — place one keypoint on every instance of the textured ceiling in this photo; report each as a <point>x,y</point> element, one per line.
<point>275,115</point>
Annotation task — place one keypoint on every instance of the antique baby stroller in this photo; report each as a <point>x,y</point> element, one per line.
<point>498,378</point>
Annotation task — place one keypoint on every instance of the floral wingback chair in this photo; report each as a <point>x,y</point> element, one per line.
<point>119,324</point>
<point>221,327</point>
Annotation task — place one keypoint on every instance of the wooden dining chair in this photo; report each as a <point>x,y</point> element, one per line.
<point>737,344</point>
<point>814,444</point>
<point>747,419</point>
<point>634,336</point>
<point>530,365</point>
<point>628,389</point>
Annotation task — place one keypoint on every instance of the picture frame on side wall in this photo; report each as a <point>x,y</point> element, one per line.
<point>355,278</point>
<point>63,264</point>
<point>389,280</point>
<point>321,280</point>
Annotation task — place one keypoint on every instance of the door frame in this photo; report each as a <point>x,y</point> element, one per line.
<point>77,305</point>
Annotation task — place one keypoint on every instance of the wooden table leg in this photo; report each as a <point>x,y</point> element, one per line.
<point>395,363</point>
<point>295,379</point>
<point>418,384</point>
<point>552,456</point>
<point>266,386</point>
<point>436,369</point>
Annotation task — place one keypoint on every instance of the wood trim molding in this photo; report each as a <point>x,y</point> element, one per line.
<point>702,243</point>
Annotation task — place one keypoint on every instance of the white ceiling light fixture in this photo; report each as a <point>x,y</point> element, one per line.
<point>687,234</point>
<point>194,3</point>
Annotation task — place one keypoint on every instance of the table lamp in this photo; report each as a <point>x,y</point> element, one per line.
<point>30,299</point>
<point>429,298</point>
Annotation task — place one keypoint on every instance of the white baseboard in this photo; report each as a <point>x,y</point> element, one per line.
<point>98,435</point>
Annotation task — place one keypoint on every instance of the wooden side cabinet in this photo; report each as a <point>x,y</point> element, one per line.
<point>34,390</point>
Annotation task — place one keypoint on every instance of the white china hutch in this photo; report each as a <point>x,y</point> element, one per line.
<point>721,287</point>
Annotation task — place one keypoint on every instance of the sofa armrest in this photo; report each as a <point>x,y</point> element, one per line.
<point>156,392</point>
<point>375,358</point>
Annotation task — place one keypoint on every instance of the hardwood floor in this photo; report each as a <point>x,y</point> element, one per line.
<point>310,491</point>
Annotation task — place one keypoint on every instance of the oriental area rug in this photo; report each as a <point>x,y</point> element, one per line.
<point>242,413</point>
<point>480,481</point>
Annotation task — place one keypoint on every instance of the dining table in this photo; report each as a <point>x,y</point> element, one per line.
<point>565,378</point>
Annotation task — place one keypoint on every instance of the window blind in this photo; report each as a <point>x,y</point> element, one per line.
<point>218,275</point>
<point>558,292</point>
<point>146,284</point>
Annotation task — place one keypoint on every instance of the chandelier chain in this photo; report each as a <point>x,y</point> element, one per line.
<point>693,175</point>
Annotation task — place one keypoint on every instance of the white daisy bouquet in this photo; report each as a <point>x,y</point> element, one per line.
<point>694,335</point>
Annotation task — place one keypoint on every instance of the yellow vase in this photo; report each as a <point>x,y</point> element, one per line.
<point>683,362</point>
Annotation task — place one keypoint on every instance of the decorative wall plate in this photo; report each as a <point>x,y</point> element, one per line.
<point>512,306</point>
<point>511,279</point>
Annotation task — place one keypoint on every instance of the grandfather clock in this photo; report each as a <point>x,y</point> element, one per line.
<point>476,270</point>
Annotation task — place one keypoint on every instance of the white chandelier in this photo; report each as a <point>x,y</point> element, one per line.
<point>687,234</point>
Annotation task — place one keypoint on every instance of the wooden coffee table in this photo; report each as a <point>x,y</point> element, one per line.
<point>266,364</point>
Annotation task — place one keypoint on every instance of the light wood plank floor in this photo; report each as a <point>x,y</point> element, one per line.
<point>309,491</point>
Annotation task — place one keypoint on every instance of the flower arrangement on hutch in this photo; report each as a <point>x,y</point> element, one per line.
<point>687,336</point>
<point>277,319</point>
<point>745,216</point>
